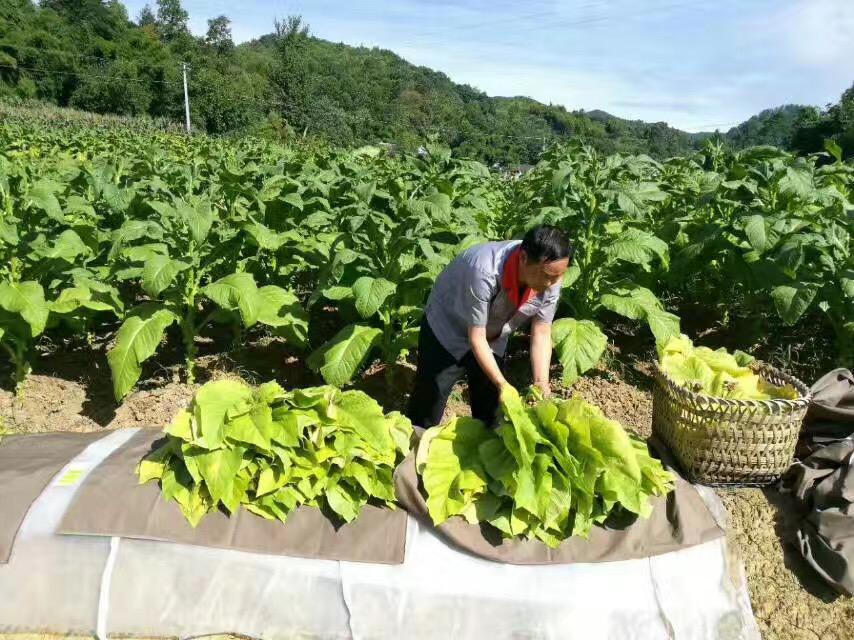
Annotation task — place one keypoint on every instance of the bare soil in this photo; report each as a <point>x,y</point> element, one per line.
<point>71,392</point>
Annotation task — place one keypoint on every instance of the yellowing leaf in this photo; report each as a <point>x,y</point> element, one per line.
<point>715,372</point>
<point>270,451</point>
<point>550,471</point>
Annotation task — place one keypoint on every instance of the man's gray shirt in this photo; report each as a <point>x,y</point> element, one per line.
<point>469,293</point>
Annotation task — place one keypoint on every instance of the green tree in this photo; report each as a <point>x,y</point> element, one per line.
<point>219,35</point>
<point>291,76</point>
<point>146,17</point>
<point>171,19</point>
<point>116,89</point>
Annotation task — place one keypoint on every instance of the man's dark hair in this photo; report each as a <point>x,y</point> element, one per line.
<point>545,243</point>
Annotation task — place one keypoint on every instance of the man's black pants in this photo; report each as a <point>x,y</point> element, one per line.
<point>438,372</point>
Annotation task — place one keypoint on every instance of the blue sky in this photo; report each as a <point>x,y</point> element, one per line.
<point>696,64</point>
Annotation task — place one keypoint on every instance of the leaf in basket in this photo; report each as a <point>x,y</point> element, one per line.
<point>717,373</point>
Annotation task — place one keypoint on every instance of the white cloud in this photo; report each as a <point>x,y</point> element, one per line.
<point>624,93</point>
<point>821,33</point>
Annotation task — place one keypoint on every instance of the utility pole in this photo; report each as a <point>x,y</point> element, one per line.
<point>186,97</point>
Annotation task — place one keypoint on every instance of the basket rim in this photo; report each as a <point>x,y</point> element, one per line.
<point>693,396</point>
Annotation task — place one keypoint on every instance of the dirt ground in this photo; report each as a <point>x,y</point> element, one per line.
<point>71,392</point>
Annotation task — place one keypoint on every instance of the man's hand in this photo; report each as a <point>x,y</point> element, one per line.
<point>541,356</point>
<point>544,387</point>
<point>505,388</point>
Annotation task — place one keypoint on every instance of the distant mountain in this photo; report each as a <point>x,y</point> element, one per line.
<point>352,95</point>
<point>602,116</point>
<point>88,54</point>
<point>773,126</point>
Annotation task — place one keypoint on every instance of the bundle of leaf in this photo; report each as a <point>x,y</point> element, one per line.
<point>271,451</point>
<point>547,472</point>
<point>717,373</point>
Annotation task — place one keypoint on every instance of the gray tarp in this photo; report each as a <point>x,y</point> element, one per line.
<point>121,586</point>
<point>823,481</point>
<point>111,502</point>
<point>678,520</point>
<point>27,463</point>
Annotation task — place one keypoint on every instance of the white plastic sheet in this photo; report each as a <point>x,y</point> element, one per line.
<point>440,593</point>
<point>52,583</point>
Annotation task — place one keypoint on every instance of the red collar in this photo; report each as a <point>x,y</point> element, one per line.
<point>510,280</point>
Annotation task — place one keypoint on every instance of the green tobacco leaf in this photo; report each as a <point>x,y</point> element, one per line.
<point>638,247</point>
<point>792,300</point>
<point>153,466</point>
<point>338,293</point>
<point>339,359</point>
<point>687,370</point>
<point>363,415</point>
<point>453,474</point>
<point>436,207</point>
<point>370,293</point>
<point>42,195</point>
<point>237,291</point>
<point>579,345</point>
<point>265,237</point>
<point>798,182</point>
<point>632,200</point>
<point>716,372</point>
<point>757,235</point>
<point>159,272</point>
<point>342,502</point>
<point>280,308</point>
<point>663,324</point>
<point>270,480</point>
<point>294,199</point>
<point>846,281</point>
<point>833,149</point>
<point>27,300</point>
<point>198,217</point>
<point>181,426</point>
<point>401,431</point>
<point>136,341</point>
<point>74,298</point>
<point>218,470</point>
<point>497,460</point>
<point>68,246</point>
<point>639,303</point>
<point>255,428</point>
<point>560,179</point>
<point>553,471</point>
<point>143,252</point>
<point>571,276</point>
<point>9,233</point>
<point>520,433</point>
<point>176,482</point>
<point>211,404</point>
<point>195,504</point>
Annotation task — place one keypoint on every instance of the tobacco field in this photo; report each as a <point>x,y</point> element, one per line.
<point>156,239</point>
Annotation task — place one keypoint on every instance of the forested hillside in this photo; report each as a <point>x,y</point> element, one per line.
<point>88,54</point>
<point>91,55</point>
<point>772,126</point>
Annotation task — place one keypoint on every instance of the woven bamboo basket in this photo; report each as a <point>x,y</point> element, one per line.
<point>729,442</point>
